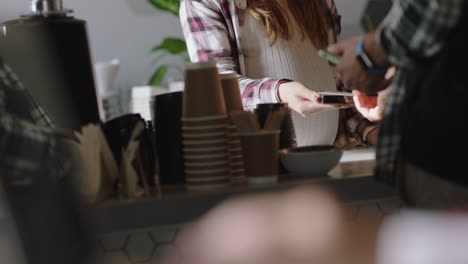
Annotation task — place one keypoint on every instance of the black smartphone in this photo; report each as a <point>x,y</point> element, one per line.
<point>336,97</point>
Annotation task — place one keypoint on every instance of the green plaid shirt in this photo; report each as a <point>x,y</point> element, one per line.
<point>413,32</point>
<point>26,133</point>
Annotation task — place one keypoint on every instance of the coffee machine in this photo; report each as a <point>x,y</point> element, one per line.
<point>49,50</point>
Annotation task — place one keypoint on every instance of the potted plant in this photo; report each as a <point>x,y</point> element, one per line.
<point>170,46</point>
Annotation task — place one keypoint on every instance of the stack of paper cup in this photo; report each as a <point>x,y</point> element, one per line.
<point>205,129</point>
<point>233,101</point>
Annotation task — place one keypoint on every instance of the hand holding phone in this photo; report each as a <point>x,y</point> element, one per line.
<point>335,59</point>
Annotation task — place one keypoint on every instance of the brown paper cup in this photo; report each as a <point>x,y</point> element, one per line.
<point>205,120</point>
<point>204,165</point>
<point>206,157</point>
<point>205,150</point>
<point>231,91</point>
<point>261,155</point>
<point>204,142</point>
<point>203,129</point>
<point>233,129</point>
<point>202,172</point>
<point>203,95</point>
<point>204,136</point>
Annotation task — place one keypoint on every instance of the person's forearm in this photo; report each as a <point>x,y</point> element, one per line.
<point>375,51</point>
<point>416,30</point>
<point>257,91</point>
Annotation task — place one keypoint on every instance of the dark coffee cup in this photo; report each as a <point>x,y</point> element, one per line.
<point>167,113</point>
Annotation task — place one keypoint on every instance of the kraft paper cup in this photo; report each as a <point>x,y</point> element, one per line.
<point>205,142</point>
<point>237,164</point>
<point>261,156</point>
<point>200,172</point>
<point>205,150</point>
<point>208,165</point>
<point>235,142</point>
<point>208,146</point>
<point>206,157</point>
<point>231,91</point>
<point>204,122</point>
<point>204,165</point>
<point>218,158</point>
<point>235,150</point>
<point>203,136</point>
<point>204,129</point>
<point>203,94</point>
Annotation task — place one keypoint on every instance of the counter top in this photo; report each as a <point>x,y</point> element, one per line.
<point>352,181</point>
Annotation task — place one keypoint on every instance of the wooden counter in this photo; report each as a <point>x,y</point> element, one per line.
<point>352,181</point>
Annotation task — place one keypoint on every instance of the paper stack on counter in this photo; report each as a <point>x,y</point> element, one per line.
<point>100,171</point>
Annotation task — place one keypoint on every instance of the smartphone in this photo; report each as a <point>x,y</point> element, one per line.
<point>336,97</point>
<point>335,59</point>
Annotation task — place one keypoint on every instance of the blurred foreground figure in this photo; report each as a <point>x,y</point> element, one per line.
<point>33,171</point>
<point>308,225</point>
<point>425,112</point>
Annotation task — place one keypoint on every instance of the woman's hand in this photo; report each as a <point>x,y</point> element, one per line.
<point>302,100</point>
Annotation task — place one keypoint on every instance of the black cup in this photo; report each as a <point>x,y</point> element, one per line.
<point>287,136</point>
<point>166,114</point>
<point>118,132</point>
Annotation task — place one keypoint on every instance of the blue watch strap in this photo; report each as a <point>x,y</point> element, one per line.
<point>360,46</point>
<point>373,69</point>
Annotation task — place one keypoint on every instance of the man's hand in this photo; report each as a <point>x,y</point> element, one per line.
<point>303,100</point>
<point>350,70</point>
<point>371,107</point>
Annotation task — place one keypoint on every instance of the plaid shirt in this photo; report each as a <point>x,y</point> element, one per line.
<point>213,29</point>
<point>26,134</point>
<point>412,32</point>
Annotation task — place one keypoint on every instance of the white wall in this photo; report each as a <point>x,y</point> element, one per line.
<point>128,29</point>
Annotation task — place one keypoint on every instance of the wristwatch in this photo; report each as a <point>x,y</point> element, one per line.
<point>365,60</point>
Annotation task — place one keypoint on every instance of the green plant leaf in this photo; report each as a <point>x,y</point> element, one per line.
<point>171,6</point>
<point>171,45</point>
<point>158,76</point>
